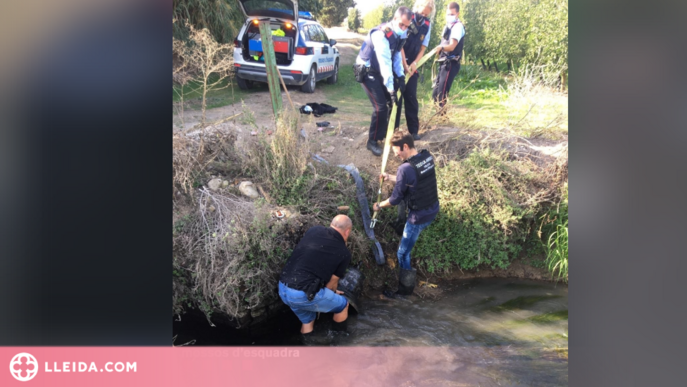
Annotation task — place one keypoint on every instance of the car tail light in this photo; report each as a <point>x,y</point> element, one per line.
<point>296,72</point>
<point>237,44</point>
<point>237,65</point>
<point>304,51</point>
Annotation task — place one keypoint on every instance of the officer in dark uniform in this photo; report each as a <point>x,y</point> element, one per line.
<point>379,69</point>
<point>413,50</point>
<point>451,48</point>
<point>416,185</point>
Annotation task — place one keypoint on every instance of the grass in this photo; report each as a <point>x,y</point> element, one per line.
<point>555,225</point>
<point>347,95</point>
<point>479,99</point>
<point>228,93</point>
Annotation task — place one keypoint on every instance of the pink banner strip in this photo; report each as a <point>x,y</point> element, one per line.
<point>249,366</point>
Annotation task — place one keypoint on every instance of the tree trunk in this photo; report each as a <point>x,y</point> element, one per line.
<point>484,67</point>
<point>496,67</point>
<point>563,79</point>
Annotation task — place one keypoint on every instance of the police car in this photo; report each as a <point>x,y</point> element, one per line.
<point>304,53</point>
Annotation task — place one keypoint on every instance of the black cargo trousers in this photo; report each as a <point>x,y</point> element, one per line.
<point>447,72</point>
<point>410,105</point>
<point>380,98</point>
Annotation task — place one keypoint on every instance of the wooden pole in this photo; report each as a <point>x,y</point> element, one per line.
<point>271,66</point>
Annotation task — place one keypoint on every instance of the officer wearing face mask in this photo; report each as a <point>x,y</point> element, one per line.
<point>413,50</point>
<point>450,50</point>
<point>379,69</point>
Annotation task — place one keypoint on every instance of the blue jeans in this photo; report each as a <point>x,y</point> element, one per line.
<point>410,234</point>
<point>325,301</point>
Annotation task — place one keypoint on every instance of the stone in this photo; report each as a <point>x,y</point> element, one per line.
<point>248,189</point>
<point>214,184</point>
<point>225,184</point>
<point>328,150</point>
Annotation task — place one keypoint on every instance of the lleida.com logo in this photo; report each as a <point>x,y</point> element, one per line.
<point>24,367</point>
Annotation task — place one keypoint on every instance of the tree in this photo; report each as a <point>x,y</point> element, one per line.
<point>353,19</point>
<point>333,12</point>
<point>373,18</point>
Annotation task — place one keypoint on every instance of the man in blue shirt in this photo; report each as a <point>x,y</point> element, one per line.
<point>413,50</point>
<point>380,56</point>
<point>450,51</point>
<point>416,184</point>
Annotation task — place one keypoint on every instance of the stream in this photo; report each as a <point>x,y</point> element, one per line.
<point>504,331</point>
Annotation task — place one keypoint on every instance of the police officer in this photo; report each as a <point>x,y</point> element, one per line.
<point>416,185</point>
<point>380,63</point>
<point>413,50</point>
<point>450,50</point>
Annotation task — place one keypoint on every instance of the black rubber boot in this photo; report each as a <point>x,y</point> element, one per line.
<point>374,148</point>
<point>406,281</point>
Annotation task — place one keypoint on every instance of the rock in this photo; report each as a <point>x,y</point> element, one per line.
<point>328,150</point>
<point>225,184</point>
<point>248,189</point>
<point>214,184</point>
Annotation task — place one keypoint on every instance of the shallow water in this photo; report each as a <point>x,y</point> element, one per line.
<point>493,331</point>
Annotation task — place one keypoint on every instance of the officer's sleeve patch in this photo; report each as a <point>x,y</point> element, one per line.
<point>422,37</point>
<point>388,31</point>
<point>426,22</point>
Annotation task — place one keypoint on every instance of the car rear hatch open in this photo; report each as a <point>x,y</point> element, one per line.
<point>283,17</point>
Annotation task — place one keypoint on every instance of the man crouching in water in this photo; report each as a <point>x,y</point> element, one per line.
<point>309,280</point>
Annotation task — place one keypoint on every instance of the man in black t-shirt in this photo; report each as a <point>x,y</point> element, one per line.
<point>309,280</point>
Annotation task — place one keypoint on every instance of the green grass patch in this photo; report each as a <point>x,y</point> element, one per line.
<point>348,96</point>
<point>482,99</point>
<point>227,93</point>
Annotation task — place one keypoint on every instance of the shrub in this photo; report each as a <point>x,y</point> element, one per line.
<point>487,205</point>
<point>555,238</point>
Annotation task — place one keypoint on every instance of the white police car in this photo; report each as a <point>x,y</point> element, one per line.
<point>303,52</point>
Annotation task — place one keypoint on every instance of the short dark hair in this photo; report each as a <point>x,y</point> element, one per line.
<point>404,11</point>
<point>454,5</point>
<point>402,137</point>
